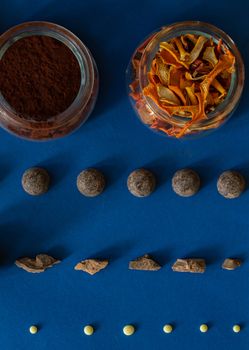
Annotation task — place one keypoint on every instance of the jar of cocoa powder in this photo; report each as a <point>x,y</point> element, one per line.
<point>48,81</point>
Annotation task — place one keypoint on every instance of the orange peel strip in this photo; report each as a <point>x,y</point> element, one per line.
<point>219,46</point>
<point>191,94</point>
<point>168,58</point>
<point>162,72</point>
<point>184,56</point>
<point>151,91</point>
<point>179,93</point>
<point>166,95</point>
<point>217,85</point>
<point>175,76</point>
<point>225,62</point>
<point>209,55</point>
<point>164,45</point>
<point>197,49</point>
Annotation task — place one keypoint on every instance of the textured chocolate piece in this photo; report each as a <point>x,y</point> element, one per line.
<point>91,182</point>
<point>186,182</point>
<point>189,265</point>
<point>35,181</point>
<point>91,266</point>
<point>231,184</point>
<point>231,264</point>
<point>144,263</point>
<point>39,264</point>
<point>141,183</point>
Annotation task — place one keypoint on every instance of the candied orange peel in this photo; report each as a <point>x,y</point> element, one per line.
<point>189,77</point>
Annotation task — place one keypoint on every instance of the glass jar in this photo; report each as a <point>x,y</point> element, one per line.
<point>80,109</point>
<point>137,79</point>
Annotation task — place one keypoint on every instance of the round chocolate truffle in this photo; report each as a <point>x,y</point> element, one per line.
<point>186,182</point>
<point>90,182</point>
<point>141,182</point>
<point>35,181</point>
<point>231,184</point>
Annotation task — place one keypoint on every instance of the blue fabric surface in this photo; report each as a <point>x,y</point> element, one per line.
<point>117,225</point>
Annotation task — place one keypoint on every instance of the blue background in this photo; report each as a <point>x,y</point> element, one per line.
<point>117,225</point>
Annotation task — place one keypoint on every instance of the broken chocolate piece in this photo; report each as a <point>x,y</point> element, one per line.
<point>189,265</point>
<point>144,263</point>
<point>231,264</point>
<point>39,264</point>
<point>91,266</point>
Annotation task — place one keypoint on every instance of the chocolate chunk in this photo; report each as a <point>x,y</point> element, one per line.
<point>39,264</point>
<point>231,264</point>
<point>91,266</point>
<point>145,263</point>
<point>189,265</point>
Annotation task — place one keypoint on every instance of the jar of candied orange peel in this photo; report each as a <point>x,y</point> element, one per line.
<point>186,79</point>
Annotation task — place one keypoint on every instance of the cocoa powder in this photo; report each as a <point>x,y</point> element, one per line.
<point>39,77</point>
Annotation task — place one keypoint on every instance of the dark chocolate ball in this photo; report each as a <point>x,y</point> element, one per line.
<point>231,184</point>
<point>35,181</point>
<point>186,182</point>
<point>141,182</point>
<point>91,182</point>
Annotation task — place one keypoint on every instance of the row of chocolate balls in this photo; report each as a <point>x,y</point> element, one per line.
<point>141,182</point>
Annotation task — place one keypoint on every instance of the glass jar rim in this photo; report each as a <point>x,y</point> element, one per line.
<point>82,55</point>
<point>205,29</point>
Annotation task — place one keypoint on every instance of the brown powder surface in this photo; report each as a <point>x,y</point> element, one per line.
<point>39,77</point>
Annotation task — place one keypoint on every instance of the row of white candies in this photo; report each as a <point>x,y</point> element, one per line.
<point>130,329</point>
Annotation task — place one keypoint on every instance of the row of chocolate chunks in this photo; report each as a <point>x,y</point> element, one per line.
<point>144,263</point>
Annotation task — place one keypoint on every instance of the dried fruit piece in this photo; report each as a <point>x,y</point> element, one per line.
<point>184,56</point>
<point>170,49</point>
<point>217,85</point>
<point>189,265</point>
<point>91,266</point>
<point>144,263</point>
<point>209,55</point>
<point>162,71</point>
<point>191,94</point>
<point>39,264</point>
<point>197,49</point>
<point>231,264</point>
<point>179,93</point>
<point>166,95</point>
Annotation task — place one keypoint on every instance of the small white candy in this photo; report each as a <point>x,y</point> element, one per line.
<point>168,328</point>
<point>33,329</point>
<point>129,330</point>
<point>88,330</point>
<point>236,328</point>
<point>203,328</point>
